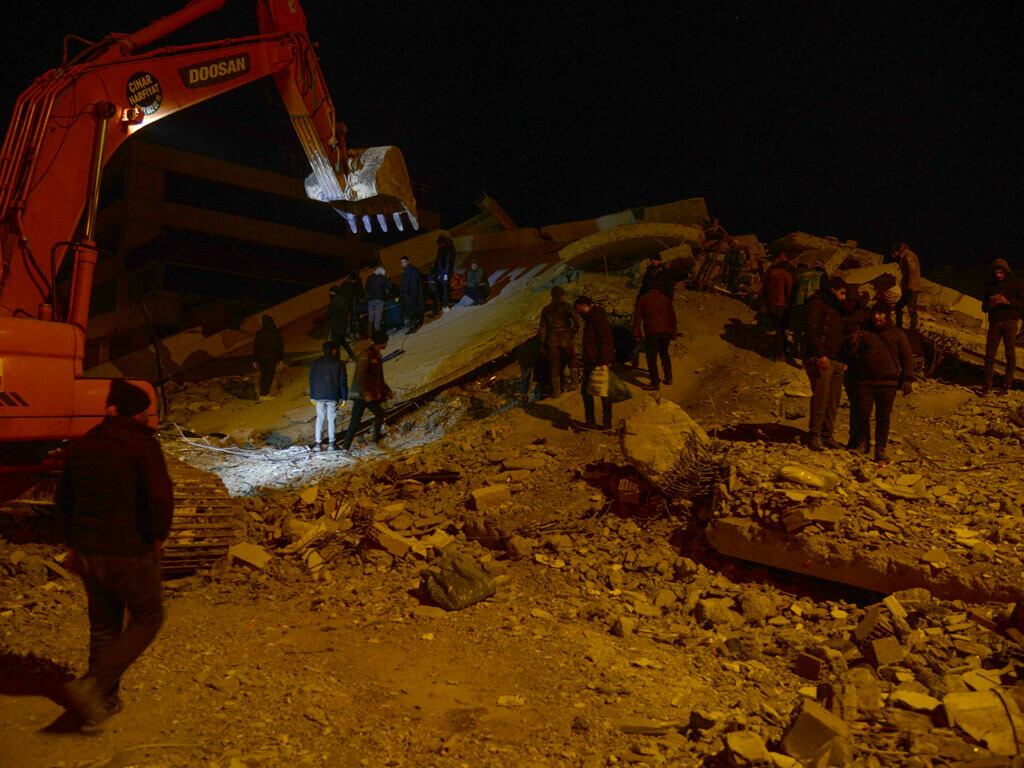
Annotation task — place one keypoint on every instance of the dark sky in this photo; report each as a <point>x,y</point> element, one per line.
<point>850,119</point>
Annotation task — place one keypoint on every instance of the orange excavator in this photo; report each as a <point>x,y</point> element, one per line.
<point>64,129</point>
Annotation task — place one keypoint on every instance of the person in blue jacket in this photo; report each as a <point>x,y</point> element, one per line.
<point>328,385</point>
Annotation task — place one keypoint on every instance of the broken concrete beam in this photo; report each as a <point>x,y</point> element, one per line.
<point>987,717</point>
<point>811,732</point>
<point>491,496</point>
<point>251,554</point>
<point>891,569</point>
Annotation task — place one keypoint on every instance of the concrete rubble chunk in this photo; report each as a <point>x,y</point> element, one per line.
<point>309,495</point>
<point>390,542</point>
<point>491,496</point>
<point>916,702</point>
<point>983,715</point>
<point>887,650</point>
<point>251,554</point>
<point>457,582</point>
<point>519,547</point>
<point>815,477</point>
<point>525,463</point>
<point>747,748</point>
<point>658,436</point>
<point>812,731</point>
<point>624,627</point>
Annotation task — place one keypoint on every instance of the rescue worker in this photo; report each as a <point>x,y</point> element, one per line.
<point>884,362</point>
<point>339,309</point>
<point>654,320</point>
<point>823,363</point>
<point>328,386</point>
<point>444,267</point>
<point>557,326</point>
<point>376,294</point>
<point>369,389</point>
<point>267,354</point>
<point>1004,302</point>
<point>776,294</point>
<point>115,504</point>
<point>598,349</point>
<point>910,282</point>
<point>411,294</point>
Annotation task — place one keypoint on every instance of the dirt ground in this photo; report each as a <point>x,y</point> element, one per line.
<point>273,668</point>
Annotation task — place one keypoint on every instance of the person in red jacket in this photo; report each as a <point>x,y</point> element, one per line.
<point>655,321</point>
<point>778,287</point>
<point>598,349</point>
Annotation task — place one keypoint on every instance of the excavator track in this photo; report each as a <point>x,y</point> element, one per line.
<point>206,519</point>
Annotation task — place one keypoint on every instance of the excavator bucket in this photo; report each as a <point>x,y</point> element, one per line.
<point>375,187</point>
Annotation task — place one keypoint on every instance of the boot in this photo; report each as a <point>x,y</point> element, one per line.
<point>815,444</point>
<point>831,443</point>
<point>864,447</point>
<point>86,700</point>
<point>880,454</point>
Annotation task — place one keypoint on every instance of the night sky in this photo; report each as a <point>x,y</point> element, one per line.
<point>835,118</point>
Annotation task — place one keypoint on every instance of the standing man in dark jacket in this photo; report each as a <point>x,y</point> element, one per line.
<point>557,326</point>
<point>369,389</point>
<point>823,363</point>
<point>338,312</point>
<point>1004,302</point>
<point>658,276</point>
<point>328,385</point>
<point>376,294</point>
<point>116,503</point>
<point>598,349</point>
<point>910,282</point>
<point>444,267</point>
<point>776,293</point>
<point>856,315</point>
<point>411,293</point>
<point>655,321</point>
<point>884,361</point>
<point>267,354</point>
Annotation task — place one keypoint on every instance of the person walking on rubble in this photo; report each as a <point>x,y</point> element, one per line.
<point>369,389</point>
<point>598,350</point>
<point>115,504</point>
<point>557,326</point>
<point>776,294</point>
<point>376,294</point>
<point>910,282</point>
<point>654,320</point>
<point>328,386</point>
<point>339,309</point>
<point>444,267</point>
<point>1004,302</point>
<point>884,362</point>
<point>824,364</point>
<point>267,354</point>
<point>411,293</point>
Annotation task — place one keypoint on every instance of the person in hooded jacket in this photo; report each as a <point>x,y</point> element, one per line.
<point>414,304</point>
<point>885,363</point>
<point>115,503</point>
<point>267,354</point>
<point>328,386</point>
<point>377,287</point>
<point>1004,302</point>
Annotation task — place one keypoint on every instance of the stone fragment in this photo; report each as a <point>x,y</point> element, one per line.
<point>429,612</point>
<point>812,730</point>
<point>756,606</point>
<point>519,547</point>
<point>251,554</point>
<point>511,701</point>
<point>491,496</point>
<point>861,690</point>
<point>935,557</point>
<point>815,478</point>
<point>524,463</point>
<point>808,666</point>
<point>665,598</point>
<point>389,541</point>
<point>309,495</point>
<point>915,702</point>
<point>624,627</point>
<point>894,607</point>
<point>457,582</point>
<point>982,715</point>
<point>746,748</point>
<point>887,650</point>
<point>497,457</point>
<point>658,436</point>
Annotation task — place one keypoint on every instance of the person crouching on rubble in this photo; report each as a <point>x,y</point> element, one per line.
<point>477,287</point>
<point>884,362</point>
<point>1004,302</point>
<point>369,389</point>
<point>328,386</point>
<point>823,363</point>
<point>116,505</point>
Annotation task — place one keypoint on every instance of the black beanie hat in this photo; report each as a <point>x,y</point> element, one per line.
<point>127,398</point>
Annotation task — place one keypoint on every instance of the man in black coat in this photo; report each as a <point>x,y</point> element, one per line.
<point>267,354</point>
<point>411,294</point>
<point>115,503</point>
<point>444,267</point>
<point>328,385</point>
<point>339,310</point>
<point>824,363</point>
<point>557,325</point>
<point>1004,302</point>
<point>598,350</point>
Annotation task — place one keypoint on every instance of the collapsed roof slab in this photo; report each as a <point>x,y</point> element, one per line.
<point>628,242</point>
<point>886,569</point>
<point>799,242</point>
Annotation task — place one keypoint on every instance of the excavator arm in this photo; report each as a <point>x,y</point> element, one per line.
<point>64,129</point>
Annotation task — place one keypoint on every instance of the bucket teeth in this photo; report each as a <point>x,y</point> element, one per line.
<point>398,221</point>
<point>367,223</point>
<point>353,223</point>
<point>383,222</point>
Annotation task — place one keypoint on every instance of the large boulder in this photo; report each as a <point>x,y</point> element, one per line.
<point>658,437</point>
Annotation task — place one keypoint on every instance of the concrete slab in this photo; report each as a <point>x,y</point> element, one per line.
<point>629,241</point>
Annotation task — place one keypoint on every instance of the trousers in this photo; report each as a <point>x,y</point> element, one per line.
<point>655,346</point>
<point>1004,331</point>
<point>375,312</point>
<point>879,397</point>
<point>909,300</point>
<point>326,411</point>
<point>266,377</point>
<point>826,388</point>
<point>113,584</point>
<point>359,407</point>
<point>588,401</point>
